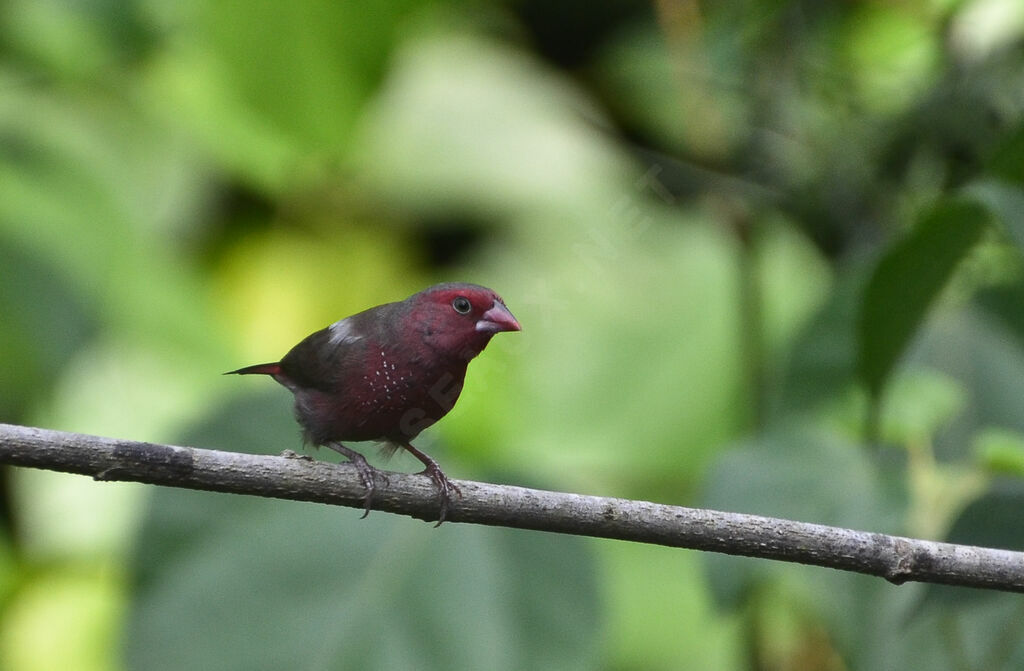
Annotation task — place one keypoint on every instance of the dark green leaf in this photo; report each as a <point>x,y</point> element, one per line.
<point>45,322</point>
<point>907,280</point>
<point>994,520</point>
<point>1005,201</point>
<point>822,360</point>
<point>1005,303</point>
<point>1008,160</point>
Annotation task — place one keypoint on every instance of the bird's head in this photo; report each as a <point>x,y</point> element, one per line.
<point>459,319</point>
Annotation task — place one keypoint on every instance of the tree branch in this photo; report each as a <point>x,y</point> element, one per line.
<point>290,476</point>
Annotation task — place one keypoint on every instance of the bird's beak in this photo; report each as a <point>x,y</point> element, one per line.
<point>498,318</point>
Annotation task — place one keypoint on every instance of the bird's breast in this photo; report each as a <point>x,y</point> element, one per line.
<point>389,397</point>
<point>395,384</point>
<point>384,384</point>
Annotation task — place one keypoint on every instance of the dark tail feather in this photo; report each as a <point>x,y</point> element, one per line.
<point>258,369</point>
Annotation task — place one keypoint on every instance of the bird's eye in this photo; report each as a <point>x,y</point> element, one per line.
<point>461,305</point>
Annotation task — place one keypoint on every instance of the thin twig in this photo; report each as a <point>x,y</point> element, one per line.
<point>894,558</point>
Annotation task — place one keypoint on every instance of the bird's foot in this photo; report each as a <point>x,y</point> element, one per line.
<point>367,473</point>
<point>445,487</point>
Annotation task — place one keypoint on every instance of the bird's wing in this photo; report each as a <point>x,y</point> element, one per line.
<point>332,357</point>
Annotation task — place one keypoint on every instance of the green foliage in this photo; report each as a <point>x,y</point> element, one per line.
<point>907,280</point>
<point>730,235</point>
<point>1001,451</point>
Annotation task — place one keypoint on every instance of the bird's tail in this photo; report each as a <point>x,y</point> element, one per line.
<point>258,369</point>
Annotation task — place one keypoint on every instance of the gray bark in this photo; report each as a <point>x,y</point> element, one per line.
<point>290,476</point>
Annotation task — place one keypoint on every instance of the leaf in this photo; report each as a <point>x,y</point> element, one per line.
<point>993,520</point>
<point>661,616</point>
<point>919,403</point>
<point>1008,160</point>
<point>906,282</point>
<point>255,583</point>
<point>821,363</point>
<point>1005,201</point>
<point>1005,305</point>
<point>1000,451</point>
<point>33,297</point>
<point>987,359</point>
<point>304,68</point>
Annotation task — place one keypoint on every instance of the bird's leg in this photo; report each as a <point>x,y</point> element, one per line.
<point>445,487</point>
<point>366,472</point>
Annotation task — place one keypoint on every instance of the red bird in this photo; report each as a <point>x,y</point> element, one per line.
<point>389,372</point>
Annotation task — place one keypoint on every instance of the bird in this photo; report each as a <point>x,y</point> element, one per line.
<point>387,373</point>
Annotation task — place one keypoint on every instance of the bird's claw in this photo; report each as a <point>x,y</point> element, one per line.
<point>367,474</point>
<point>445,487</point>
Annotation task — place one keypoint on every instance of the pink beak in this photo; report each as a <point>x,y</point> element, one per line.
<point>498,318</point>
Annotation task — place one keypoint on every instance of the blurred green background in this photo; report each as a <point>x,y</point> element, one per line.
<point>767,258</point>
